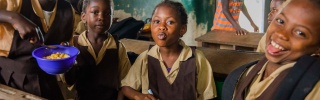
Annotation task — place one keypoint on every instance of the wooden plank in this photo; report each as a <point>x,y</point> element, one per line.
<point>136,46</point>
<point>230,38</point>
<point>9,93</point>
<point>221,61</point>
<point>225,61</point>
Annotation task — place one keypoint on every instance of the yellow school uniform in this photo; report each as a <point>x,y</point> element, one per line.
<point>137,77</point>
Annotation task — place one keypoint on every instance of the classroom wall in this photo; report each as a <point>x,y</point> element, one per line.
<point>200,13</point>
<point>256,9</point>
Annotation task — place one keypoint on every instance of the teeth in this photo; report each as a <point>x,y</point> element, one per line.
<point>274,44</point>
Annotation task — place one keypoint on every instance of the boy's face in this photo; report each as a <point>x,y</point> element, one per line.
<point>98,16</point>
<point>166,27</point>
<point>294,32</point>
<point>274,8</point>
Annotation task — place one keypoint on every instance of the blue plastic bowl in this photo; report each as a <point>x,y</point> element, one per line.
<point>56,66</point>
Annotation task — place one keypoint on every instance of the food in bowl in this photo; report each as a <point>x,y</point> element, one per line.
<point>57,55</point>
<point>56,66</point>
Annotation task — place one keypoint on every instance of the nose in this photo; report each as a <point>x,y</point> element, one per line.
<point>162,27</point>
<point>282,35</point>
<point>101,17</point>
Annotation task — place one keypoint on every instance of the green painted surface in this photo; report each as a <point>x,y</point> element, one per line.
<point>204,9</point>
<point>136,7</point>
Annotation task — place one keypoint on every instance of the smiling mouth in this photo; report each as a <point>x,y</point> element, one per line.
<point>274,48</point>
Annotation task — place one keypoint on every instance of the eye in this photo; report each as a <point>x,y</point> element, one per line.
<point>299,33</point>
<point>95,12</point>
<point>156,21</point>
<point>170,22</point>
<point>280,21</point>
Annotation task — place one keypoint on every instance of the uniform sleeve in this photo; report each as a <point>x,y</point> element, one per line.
<point>133,78</point>
<point>206,87</point>
<point>10,5</point>
<point>262,44</point>
<point>124,63</point>
<point>6,29</point>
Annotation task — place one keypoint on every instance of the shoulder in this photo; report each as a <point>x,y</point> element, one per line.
<point>10,5</point>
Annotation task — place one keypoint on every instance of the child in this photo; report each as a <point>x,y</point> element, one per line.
<point>275,6</point>
<point>227,15</point>
<point>18,22</point>
<point>288,72</point>
<point>103,61</point>
<point>176,71</point>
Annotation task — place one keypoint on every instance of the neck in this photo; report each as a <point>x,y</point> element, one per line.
<point>96,37</point>
<point>171,50</point>
<point>270,68</point>
<point>47,5</point>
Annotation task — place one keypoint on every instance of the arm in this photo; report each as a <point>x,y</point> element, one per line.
<point>132,83</point>
<point>206,87</point>
<point>133,94</point>
<point>226,12</point>
<point>26,28</point>
<point>124,63</point>
<point>245,12</point>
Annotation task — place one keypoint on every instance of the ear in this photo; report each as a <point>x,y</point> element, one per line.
<point>83,17</point>
<point>183,30</point>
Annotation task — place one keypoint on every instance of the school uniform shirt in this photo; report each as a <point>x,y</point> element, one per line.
<point>257,87</point>
<point>137,77</point>
<point>109,43</point>
<point>220,21</point>
<point>7,30</point>
<point>262,44</point>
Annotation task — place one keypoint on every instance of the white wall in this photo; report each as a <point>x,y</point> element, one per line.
<point>256,11</point>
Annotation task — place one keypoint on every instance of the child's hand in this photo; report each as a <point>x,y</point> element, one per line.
<point>145,97</point>
<point>241,31</point>
<point>255,27</point>
<point>26,28</point>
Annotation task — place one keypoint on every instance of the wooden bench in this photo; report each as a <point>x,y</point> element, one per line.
<point>229,40</point>
<point>222,61</point>
<point>9,93</point>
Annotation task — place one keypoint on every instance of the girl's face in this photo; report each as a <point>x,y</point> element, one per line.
<point>274,8</point>
<point>98,16</point>
<point>166,27</point>
<point>294,33</point>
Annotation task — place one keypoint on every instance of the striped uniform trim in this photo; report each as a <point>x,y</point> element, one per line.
<point>220,21</point>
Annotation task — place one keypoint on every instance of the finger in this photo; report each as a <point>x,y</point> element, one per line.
<point>237,32</point>
<point>151,97</point>
<point>146,98</point>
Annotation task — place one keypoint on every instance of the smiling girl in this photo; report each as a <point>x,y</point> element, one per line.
<point>291,68</point>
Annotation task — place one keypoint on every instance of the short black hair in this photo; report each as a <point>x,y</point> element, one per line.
<point>85,3</point>
<point>315,2</point>
<point>178,7</point>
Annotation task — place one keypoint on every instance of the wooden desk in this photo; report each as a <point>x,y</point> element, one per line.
<point>136,46</point>
<point>225,61</point>
<point>221,61</point>
<point>9,93</point>
<point>216,38</point>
